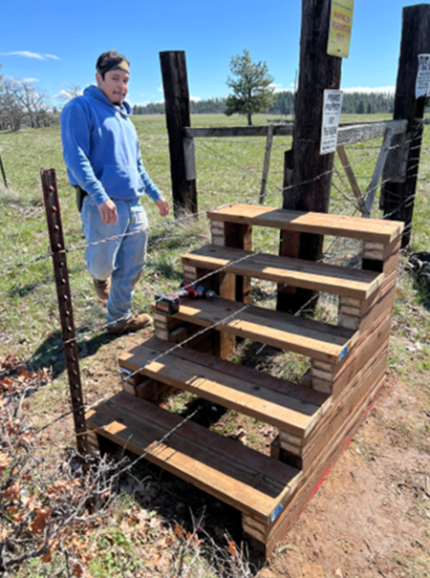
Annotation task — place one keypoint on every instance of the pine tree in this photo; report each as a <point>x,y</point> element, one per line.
<point>251,88</point>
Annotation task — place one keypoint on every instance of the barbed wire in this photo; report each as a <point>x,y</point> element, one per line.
<point>189,216</point>
<point>186,217</point>
<point>99,399</point>
<point>103,326</point>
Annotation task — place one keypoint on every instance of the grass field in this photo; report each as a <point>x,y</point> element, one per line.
<point>228,170</point>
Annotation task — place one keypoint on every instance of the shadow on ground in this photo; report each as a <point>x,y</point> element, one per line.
<point>51,352</point>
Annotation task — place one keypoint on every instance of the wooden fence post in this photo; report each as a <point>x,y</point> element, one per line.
<point>399,196</point>
<point>177,104</point>
<point>266,163</point>
<point>307,175</point>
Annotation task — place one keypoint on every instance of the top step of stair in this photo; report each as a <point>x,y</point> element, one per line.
<point>375,230</point>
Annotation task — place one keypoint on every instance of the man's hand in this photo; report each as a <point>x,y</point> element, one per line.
<point>108,212</point>
<point>163,206</point>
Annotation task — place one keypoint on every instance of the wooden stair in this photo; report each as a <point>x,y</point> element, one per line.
<point>277,402</point>
<point>371,230</point>
<point>315,419</point>
<point>354,283</point>
<point>237,475</point>
<point>305,336</point>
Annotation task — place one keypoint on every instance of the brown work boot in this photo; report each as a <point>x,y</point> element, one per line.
<point>102,289</point>
<point>134,323</point>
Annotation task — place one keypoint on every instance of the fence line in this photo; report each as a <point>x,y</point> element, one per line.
<point>99,399</point>
<point>185,218</point>
<point>196,214</point>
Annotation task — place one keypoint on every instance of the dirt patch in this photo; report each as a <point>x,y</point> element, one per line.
<point>371,516</point>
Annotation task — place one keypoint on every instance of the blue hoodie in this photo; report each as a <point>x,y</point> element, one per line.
<point>101,149</point>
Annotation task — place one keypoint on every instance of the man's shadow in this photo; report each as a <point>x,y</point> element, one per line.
<point>50,353</point>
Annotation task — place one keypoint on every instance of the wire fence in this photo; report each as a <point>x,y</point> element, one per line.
<point>334,250</point>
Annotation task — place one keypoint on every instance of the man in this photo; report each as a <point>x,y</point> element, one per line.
<point>104,164</point>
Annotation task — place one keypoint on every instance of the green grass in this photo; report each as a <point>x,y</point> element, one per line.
<point>228,170</point>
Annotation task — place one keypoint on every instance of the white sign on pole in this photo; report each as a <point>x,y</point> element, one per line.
<point>422,86</point>
<point>330,120</point>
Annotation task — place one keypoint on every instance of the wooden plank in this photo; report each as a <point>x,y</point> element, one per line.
<point>189,159</point>
<point>368,306</point>
<point>363,132</point>
<point>369,342</point>
<point>227,389</point>
<point>377,230</point>
<point>380,163</point>
<point>380,307</point>
<point>359,389</point>
<point>347,134</point>
<point>348,282</point>
<point>224,285</point>
<point>305,336</point>
<point>277,530</point>
<point>255,378</point>
<point>396,163</point>
<point>351,178</point>
<point>390,259</point>
<point>266,164</point>
<point>233,131</point>
<point>226,469</point>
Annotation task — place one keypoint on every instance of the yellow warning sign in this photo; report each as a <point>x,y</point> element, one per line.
<point>339,36</point>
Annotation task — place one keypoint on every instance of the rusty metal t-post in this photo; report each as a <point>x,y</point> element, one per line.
<point>53,216</point>
<point>3,173</point>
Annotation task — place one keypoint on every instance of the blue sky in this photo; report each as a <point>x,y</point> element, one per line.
<point>57,42</point>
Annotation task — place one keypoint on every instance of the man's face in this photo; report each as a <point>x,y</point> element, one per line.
<point>114,86</point>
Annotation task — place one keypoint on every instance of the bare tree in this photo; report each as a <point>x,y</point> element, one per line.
<point>21,94</point>
<point>72,91</point>
<point>11,110</point>
<point>33,102</point>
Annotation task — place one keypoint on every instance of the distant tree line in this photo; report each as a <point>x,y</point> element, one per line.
<point>353,103</point>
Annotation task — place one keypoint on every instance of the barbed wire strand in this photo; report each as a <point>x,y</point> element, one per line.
<point>189,216</point>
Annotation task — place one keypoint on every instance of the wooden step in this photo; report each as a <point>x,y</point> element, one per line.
<point>280,403</point>
<point>354,283</point>
<point>375,230</point>
<point>307,337</point>
<point>247,480</point>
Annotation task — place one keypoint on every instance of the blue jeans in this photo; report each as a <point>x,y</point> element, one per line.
<point>122,258</point>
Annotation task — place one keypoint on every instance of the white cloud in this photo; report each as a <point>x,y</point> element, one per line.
<point>195,98</point>
<point>367,90</point>
<point>24,53</point>
<point>30,80</point>
<point>27,54</point>
<point>160,89</point>
<point>277,87</point>
<point>67,94</point>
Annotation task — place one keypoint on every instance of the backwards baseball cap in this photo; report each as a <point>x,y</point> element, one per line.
<point>112,60</point>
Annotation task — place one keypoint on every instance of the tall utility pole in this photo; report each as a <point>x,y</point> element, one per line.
<point>307,174</point>
<point>399,194</point>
